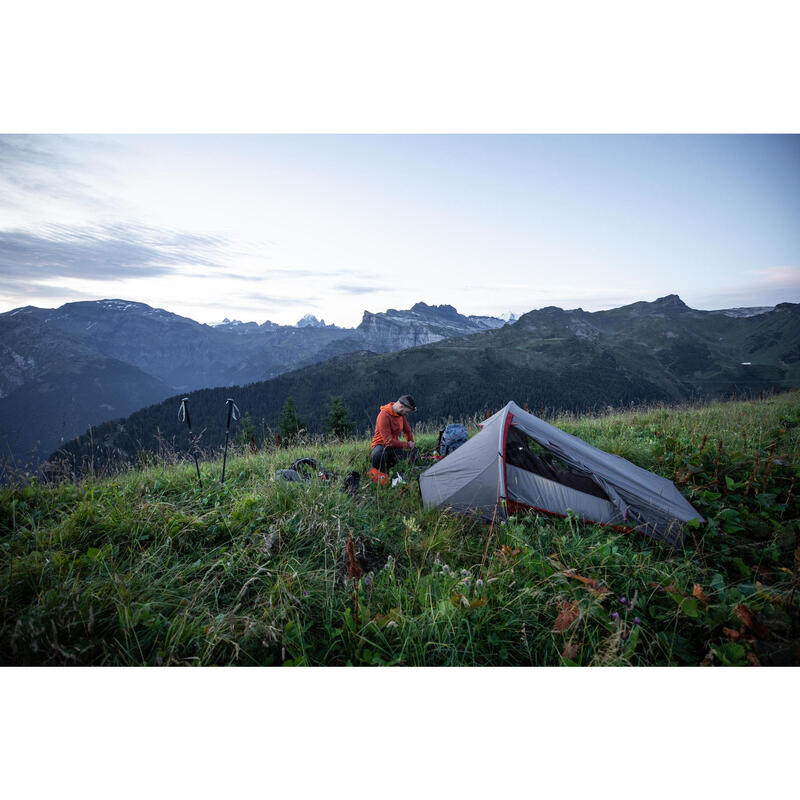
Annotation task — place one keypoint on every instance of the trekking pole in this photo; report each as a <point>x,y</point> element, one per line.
<point>233,411</point>
<point>183,414</point>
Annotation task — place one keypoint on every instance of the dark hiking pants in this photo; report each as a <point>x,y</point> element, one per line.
<point>384,458</point>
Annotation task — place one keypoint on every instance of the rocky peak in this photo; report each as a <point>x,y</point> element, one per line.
<point>671,302</point>
<point>394,329</point>
<point>310,321</point>
<point>442,311</point>
<point>236,326</point>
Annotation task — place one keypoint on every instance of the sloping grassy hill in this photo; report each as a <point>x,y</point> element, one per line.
<point>148,568</point>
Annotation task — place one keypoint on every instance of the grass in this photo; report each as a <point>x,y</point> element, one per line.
<point>147,568</point>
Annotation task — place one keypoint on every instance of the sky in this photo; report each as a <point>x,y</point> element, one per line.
<point>273,227</point>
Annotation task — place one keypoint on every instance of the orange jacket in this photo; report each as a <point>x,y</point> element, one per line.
<point>389,426</point>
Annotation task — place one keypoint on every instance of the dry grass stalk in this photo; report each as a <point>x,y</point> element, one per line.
<point>717,462</point>
<point>770,461</point>
<point>756,465</point>
<point>788,498</point>
<point>354,571</point>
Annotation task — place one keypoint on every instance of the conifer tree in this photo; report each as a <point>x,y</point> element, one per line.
<point>246,432</point>
<point>290,424</point>
<point>338,420</point>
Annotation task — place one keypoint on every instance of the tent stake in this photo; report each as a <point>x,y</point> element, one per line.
<point>491,529</point>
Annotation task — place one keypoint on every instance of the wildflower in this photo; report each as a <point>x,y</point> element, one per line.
<point>479,582</point>
<point>466,581</point>
<point>305,594</point>
<point>636,620</point>
<point>623,600</point>
<point>446,568</point>
<point>464,573</point>
<point>615,616</point>
<point>437,560</point>
<point>367,581</point>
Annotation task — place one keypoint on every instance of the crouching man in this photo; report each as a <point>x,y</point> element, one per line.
<point>387,446</point>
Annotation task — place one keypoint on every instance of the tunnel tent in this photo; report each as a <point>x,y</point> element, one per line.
<point>518,462</point>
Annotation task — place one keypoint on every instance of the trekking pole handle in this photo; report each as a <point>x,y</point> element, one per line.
<point>183,413</point>
<point>233,411</point>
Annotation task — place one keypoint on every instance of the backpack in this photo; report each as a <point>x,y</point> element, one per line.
<point>303,470</point>
<point>451,438</point>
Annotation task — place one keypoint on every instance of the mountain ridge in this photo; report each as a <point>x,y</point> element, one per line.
<point>165,354</point>
<point>560,360</point>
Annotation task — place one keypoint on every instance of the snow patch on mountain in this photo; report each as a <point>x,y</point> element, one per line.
<point>310,321</point>
<point>744,312</point>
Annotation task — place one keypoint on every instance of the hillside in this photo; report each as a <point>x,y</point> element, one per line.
<point>53,386</point>
<point>148,568</point>
<point>551,359</point>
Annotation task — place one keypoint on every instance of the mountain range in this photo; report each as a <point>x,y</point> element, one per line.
<point>64,369</point>
<point>551,359</point>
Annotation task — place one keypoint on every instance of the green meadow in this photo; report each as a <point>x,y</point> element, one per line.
<point>147,568</point>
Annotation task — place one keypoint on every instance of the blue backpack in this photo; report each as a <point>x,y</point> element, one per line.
<point>451,438</point>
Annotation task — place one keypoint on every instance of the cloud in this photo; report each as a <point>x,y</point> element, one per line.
<point>768,288</point>
<point>251,304</point>
<point>230,275</point>
<point>221,274</point>
<point>17,293</point>
<point>350,289</point>
<point>104,253</point>
<point>276,303</point>
<point>22,155</point>
<point>780,276</point>
<point>297,273</point>
<point>33,167</point>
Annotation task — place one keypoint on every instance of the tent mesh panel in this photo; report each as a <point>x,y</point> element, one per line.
<point>525,453</point>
